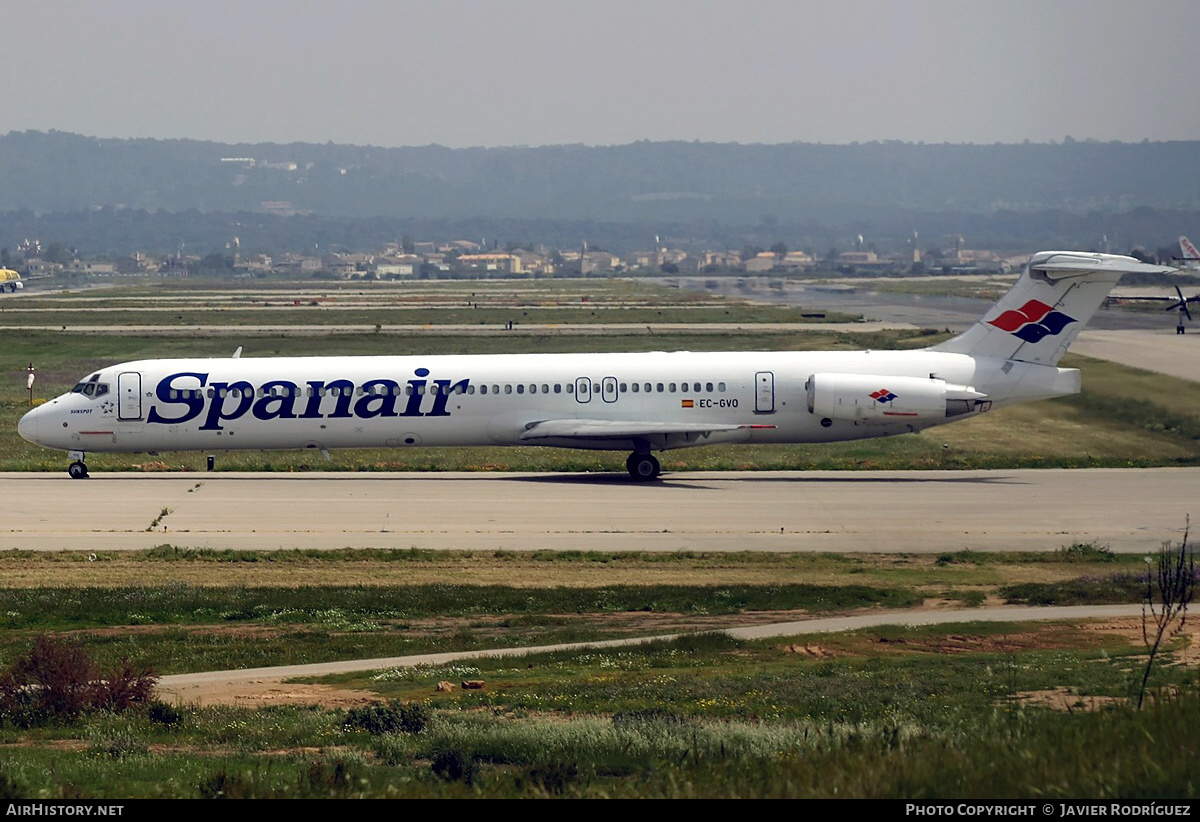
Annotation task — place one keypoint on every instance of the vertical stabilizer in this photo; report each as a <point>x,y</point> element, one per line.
<point>1043,313</point>
<point>1191,256</point>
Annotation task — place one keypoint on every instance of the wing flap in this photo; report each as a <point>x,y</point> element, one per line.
<point>622,429</point>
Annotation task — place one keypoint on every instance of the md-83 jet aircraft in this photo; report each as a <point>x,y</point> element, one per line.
<point>640,403</point>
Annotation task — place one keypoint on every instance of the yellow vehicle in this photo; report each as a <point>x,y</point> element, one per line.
<point>10,279</point>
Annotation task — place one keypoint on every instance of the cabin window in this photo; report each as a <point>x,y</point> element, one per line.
<point>671,387</point>
<point>708,386</point>
<point>635,387</point>
<point>533,388</point>
<point>623,388</point>
<point>660,387</point>
<point>596,388</point>
<point>721,387</point>
<point>545,388</point>
<point>570,388</point>
<point>557,388</point>
<point>520,388</point>
<point>507,388</point>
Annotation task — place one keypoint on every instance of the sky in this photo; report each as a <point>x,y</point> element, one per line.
<point>604,72</point>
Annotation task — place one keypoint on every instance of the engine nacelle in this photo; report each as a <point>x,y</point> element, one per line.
<point>874,398</point>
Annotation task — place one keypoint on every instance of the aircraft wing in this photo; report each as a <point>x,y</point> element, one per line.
<point>622,429</point>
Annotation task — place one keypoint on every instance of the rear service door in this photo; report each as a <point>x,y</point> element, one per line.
<point>764,393</point>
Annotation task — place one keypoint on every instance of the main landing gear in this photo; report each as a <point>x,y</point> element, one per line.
<point>77,469</point>
<point>642,467</point>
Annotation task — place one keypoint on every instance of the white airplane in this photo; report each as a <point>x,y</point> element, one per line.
<point>1189,255</point>
<point>639,403</point>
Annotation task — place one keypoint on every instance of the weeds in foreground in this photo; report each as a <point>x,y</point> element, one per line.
<point>57,681</point>
<point>1168,594</point>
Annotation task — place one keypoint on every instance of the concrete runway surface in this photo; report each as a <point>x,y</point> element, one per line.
<point>1132,510</point>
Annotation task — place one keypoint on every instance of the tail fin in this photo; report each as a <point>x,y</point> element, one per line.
<point>1188,253</point>
<point>1043,313</point>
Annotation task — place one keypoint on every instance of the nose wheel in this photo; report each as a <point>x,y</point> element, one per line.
<point>77,470</point>
<point>642,467</point>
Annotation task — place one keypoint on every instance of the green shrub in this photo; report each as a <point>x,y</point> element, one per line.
<point>160,713</point>
<point>453,765</point>
<point>388,718</point>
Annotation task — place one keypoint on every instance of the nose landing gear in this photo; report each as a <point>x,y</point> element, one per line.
<point>77,469</point>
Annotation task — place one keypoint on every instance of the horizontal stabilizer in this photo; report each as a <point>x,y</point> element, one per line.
<point>1072,263</point>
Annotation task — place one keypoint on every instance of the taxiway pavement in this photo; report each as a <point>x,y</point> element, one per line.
<point>920,511</point>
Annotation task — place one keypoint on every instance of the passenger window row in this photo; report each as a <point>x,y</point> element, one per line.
<point>408,390</point>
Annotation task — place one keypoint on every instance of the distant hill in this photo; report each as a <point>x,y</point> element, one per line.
<point>890,187</point>
<point>670,181</point>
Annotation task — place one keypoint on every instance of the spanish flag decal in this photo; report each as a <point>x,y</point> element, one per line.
<point>689,403</point>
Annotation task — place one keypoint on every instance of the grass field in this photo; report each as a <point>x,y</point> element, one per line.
<point>958,711</point>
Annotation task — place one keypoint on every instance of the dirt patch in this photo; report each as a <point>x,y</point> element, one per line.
<point>1064,699</point>
<point>268,691</point>
<point>810,651</point>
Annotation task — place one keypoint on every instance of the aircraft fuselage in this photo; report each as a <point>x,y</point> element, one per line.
<point>359,402</point>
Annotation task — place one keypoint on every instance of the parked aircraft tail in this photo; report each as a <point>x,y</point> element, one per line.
<point>1188,253</point>
<point>1043,313</point>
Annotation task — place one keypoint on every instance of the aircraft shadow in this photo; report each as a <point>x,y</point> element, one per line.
<point>667,480</point>
<point>683,480</point>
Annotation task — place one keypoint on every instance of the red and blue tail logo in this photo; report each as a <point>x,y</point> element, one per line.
<point>882,395</point>
<point>1032,321</point>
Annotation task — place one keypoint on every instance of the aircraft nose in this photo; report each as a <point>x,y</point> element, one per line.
<point>27,426</point>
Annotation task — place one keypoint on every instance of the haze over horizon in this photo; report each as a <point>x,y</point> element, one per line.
<point>539,72</point>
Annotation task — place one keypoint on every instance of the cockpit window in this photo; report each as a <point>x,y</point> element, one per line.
<point>91,388</point>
